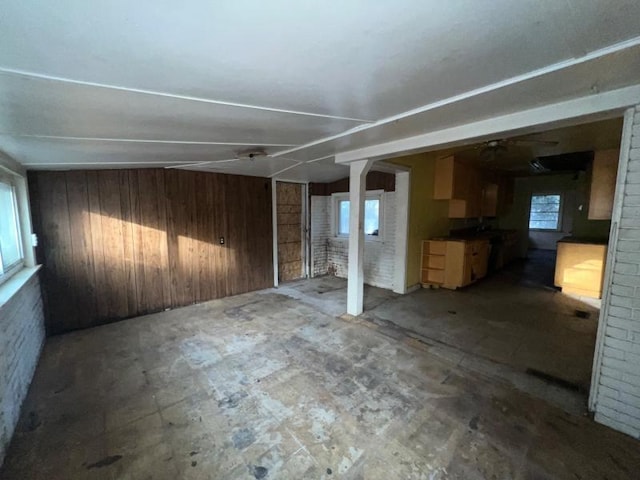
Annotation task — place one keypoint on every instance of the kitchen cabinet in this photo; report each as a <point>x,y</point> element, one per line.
<point>489,207</point>
<point>580,266</point>
<point>469,193</point>
<point>452,179</point>
<point>604,171</point>
<point>454,263</point>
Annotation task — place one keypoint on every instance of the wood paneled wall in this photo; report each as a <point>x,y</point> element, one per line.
<point>121,243</point>
<point>375,181</point>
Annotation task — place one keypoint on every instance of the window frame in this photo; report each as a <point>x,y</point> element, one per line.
<point>7,272</point>
<point>560,212</point>
<point>336,198</point>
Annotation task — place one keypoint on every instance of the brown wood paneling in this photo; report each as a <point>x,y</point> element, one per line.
<point>148,203</point>
<point>375,181</point>
<point>289,220</point>
<point>121,243</point>
<point>81,244</point>
<point>220,267</point>
<point>55,238</point>
<point>97,239</point>
<point>112,244</point>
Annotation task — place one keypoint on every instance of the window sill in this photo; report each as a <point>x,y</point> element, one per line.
<point>12,286</point>
<point>367,238</point>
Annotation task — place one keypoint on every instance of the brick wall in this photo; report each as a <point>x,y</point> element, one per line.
<point>617,400</point>
<point>331,254</point>
<point>21,339</point>
<point>320,232</point>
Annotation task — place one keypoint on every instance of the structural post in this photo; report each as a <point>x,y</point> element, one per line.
<point>357,191</point>
<point>403,191</point>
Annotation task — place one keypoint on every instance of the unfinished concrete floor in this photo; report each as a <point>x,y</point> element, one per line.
<point>269,385</point>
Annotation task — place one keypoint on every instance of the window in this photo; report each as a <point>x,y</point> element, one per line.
<point>372,214</point>
<point>10,240</point>
<point>545,212</point>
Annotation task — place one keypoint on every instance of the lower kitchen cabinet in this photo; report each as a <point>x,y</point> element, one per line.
<point>454,263</point>
<point>580,266</point>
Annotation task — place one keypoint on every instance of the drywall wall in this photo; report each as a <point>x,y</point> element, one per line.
<point>427,217</point>
<point>121,243</point>
<point>23,333</point>
<point>574,189</point>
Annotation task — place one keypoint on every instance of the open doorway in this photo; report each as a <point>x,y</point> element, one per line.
<point>514,262</point>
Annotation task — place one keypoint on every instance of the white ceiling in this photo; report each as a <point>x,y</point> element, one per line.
<point>109,83</point>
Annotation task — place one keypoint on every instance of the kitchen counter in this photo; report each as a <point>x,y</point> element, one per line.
<point>584,240</point>
<point>580,265</point>
<point>484,235</point>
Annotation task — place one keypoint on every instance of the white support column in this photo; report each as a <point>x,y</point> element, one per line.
<point>403,190</point>
<point>357,190</point>
<point>274,222</point>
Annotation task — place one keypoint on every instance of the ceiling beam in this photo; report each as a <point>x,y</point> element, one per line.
<point>142,91</point>
<point>606,103</point>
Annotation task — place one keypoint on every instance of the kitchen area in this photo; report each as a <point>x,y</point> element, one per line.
<point>553,214</point>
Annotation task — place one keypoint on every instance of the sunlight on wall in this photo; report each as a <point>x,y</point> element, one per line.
<point>121,240</point>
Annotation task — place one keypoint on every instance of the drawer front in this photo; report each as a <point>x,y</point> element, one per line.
<point>437,247</point>
<point>475,247</point>
<point>435,276</point>
<point>436,261</point>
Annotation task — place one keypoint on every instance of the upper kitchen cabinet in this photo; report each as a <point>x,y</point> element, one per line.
<point>471,192</point>
<point>489,207</point>
<point>452,179</point>
<point>603,184</point>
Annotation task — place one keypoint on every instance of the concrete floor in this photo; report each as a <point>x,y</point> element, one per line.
<point>272,385</point>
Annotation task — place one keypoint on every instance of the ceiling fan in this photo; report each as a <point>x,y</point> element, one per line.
<point>249,154</point>
<point>494,149</point>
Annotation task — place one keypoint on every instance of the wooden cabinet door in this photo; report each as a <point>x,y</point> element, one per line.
<point>603,184</point>
<point>489,200</point>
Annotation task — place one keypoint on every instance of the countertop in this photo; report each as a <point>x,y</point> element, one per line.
<point>485,235</point>
<point>584,240</point>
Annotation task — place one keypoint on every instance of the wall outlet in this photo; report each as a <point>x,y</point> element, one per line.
<point>221,240</point>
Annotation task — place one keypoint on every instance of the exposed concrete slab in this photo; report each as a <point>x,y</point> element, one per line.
<point>264,385</point>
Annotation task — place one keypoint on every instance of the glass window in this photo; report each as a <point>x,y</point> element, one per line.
<point>371,217</point>
<point>545,212</point>
<point>10,248</point>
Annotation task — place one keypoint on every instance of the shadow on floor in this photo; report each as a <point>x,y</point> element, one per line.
<point>537,270</point>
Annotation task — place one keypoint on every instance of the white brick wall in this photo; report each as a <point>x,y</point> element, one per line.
<point>21,338</point>
<point>330,254</point>
<point>617,401</point>
<point>320,232</point>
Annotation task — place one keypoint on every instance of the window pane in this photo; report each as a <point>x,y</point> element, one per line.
<point>343,223</point>
<point>372,217</point>
<point>9,238</point>
<point>545,212</point>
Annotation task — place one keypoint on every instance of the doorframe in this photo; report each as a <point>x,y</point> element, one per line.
<point>304,225</point>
